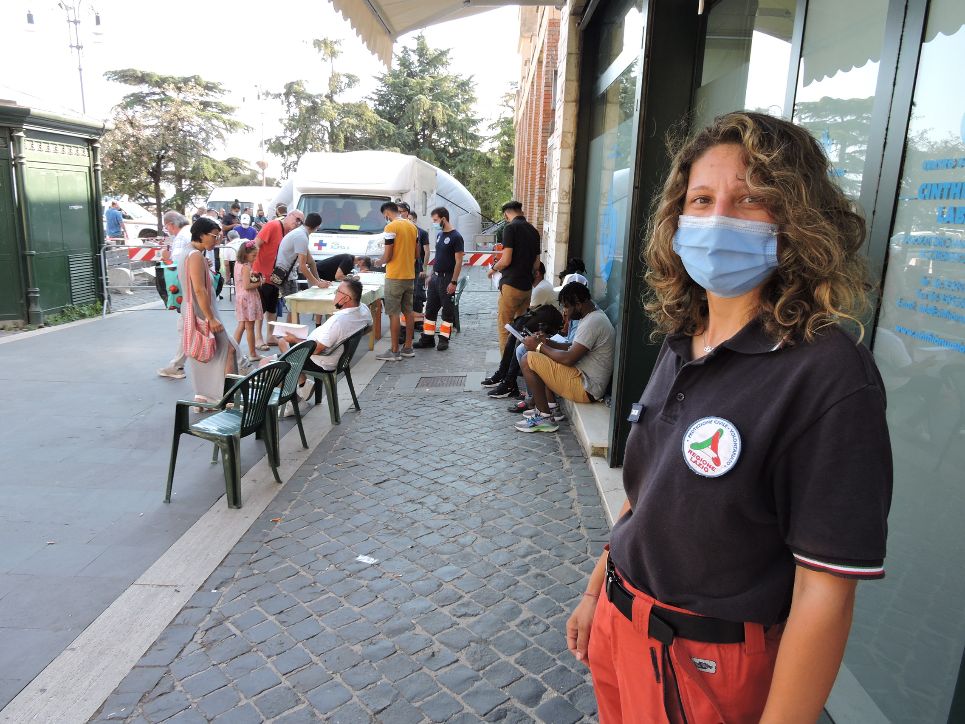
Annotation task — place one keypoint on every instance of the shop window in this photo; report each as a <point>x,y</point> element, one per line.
<point>613,113</point>
<point>747,53</point>
<point>909,630</point>
<point>837,80</point>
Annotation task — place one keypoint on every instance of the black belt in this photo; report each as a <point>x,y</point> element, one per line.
<point>666,624</point>
<point>443,273</point>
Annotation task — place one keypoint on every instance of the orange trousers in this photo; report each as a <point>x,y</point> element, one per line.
<point>638,680</point>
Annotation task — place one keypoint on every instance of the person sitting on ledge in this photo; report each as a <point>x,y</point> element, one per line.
<point>579,371</point>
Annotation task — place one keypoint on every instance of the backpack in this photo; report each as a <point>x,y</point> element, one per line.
<point>545,318</point>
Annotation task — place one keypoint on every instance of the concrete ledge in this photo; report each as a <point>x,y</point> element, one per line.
<point>591,423</point>
<point>609,482</point>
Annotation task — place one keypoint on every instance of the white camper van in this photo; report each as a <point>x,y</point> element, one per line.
<point>347,189</point>
<point>249,197</point>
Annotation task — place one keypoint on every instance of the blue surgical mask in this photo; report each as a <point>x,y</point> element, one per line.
<point>437,228</point>
<point>726,256</point>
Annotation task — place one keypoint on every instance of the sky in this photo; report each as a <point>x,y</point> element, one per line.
<point>236,43</point>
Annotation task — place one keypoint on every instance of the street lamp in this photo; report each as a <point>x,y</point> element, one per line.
<point>73,12</point>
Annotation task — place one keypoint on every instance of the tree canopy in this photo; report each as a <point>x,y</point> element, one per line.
<point>418,108</point>
<point>314,122</point>
<point>488,171</point>
<point>163,134</point>
<point>430,109</point>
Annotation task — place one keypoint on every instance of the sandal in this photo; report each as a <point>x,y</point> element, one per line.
<point>263,347</point>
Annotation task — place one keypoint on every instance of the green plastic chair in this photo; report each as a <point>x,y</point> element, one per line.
<point>296,357</point>
<point>330,379</point>
<point>287,392</point>
<point>249,398</point>
<point>460,286</point>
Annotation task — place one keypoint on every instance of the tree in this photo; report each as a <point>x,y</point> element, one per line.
<point>246,176</point>
<point>418,108</point>
<point>163,134</point>
<point>430,110</point>
<point>323,122</point>
<point>488,172</point>
<point>841,126</point>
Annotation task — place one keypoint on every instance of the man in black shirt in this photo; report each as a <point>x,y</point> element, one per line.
<point>231,219</point>
<point>521,249</point>
<point>335,268</point>
<point>422,251</point>
<point>442,282</point>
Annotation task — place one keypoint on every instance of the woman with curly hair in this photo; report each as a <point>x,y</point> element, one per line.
<point>758,470</point>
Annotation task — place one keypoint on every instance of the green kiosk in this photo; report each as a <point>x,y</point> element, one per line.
<point>50,214</point>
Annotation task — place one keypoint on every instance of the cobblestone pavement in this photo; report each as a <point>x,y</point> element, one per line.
<point>482,538</point>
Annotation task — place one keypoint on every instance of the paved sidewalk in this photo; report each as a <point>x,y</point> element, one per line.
<point>481,538</point>
<point>87,435</point>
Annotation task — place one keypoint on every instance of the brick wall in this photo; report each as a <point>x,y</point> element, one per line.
<point>546,125</point>
<point>535,114</point>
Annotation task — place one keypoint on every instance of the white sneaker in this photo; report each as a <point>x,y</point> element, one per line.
<point>173,372</point>
<point>556,412</point>
<point>389,356</point>
<point>288,410</point>
<point>306,391</point>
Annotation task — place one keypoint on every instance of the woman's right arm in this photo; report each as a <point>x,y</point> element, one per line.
<point>581,621</point>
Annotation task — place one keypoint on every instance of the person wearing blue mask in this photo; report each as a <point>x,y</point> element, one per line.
<point>441,290</point>
<point>758,469</point>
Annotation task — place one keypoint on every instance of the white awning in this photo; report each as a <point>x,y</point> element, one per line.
<point>379,23</point>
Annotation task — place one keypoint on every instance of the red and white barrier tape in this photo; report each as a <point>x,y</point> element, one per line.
<point>142,254</point>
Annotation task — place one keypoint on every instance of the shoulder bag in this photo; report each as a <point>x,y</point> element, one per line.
<point>278,275</point>
<point>198,339</point>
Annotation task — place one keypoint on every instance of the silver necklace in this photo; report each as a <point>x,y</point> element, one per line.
<point>703,339</point>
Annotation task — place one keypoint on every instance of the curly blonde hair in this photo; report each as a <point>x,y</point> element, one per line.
<point>821,279</point>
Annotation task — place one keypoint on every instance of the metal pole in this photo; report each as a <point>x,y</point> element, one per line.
<point>73,18</point>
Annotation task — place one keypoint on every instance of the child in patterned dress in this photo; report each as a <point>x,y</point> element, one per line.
<point>248,309</point>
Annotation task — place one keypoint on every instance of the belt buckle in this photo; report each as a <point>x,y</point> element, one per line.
<point>610,580</point>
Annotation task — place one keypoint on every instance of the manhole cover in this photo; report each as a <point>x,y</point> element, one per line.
<point>441,381</point>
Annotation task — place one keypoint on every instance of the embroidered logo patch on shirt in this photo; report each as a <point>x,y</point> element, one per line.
<point>711,446</point>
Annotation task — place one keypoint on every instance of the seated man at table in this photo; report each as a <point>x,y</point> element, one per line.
<point>350,317</point>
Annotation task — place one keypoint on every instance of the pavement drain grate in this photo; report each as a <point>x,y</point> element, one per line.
<point>441,381</point>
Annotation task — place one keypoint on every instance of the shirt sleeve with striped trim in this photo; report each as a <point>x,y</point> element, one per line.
<point>833,486</point>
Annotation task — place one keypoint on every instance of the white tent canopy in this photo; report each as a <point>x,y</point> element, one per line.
<point>379,23</point>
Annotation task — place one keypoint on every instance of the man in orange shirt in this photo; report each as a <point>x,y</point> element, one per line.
<point>401,238</point>
<point>268,240</point>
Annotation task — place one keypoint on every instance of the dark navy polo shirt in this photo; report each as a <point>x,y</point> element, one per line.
<point>448,244</point>
<point>749,461</point>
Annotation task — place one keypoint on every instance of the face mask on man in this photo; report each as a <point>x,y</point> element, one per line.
<point>726,256</point>
<point>436,227</point>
